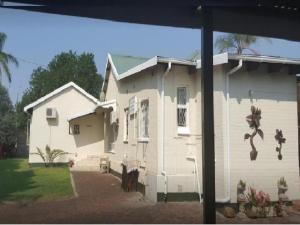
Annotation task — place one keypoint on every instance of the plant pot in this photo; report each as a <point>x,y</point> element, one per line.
<point>251,212</point>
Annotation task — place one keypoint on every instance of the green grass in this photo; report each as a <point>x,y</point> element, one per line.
<point>20,182</point>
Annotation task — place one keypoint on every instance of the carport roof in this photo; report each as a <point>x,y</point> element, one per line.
<point>112,104</point>
<point>273,18</point>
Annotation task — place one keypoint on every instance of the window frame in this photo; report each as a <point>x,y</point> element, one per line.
<point>184,130</point>
<point>76,131</point>
<point>141,136</point>
<point>126,125</point>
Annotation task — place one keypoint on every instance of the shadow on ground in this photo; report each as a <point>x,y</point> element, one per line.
<point>13,179</point>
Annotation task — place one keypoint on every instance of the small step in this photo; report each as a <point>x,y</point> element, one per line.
<point>85,168</point>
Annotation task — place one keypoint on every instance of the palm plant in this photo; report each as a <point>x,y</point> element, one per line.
<point>5,59</point>
<point>237,43</point>
<point>254,123</point>
<point>50,155</point>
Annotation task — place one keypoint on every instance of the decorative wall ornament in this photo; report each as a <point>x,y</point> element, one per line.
<point>254,123</point>
<point>280,139</point>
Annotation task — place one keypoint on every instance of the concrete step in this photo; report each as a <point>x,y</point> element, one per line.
<point>88,162</point>
<point>85,168</point>
<point>96,157</point>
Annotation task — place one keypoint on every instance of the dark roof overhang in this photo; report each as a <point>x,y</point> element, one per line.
<point>272,18</point>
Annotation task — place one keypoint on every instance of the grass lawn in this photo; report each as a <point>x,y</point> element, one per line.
<point>20,182</point>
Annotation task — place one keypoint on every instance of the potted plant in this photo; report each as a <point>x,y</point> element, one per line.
<point>71,163</point>
<point>241,187</point>
<point>258,205</point>
<point>282,189</point>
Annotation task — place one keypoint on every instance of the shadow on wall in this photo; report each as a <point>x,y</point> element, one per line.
<point>260,85</point>
<point>111,131</point>
<point>91,130</point>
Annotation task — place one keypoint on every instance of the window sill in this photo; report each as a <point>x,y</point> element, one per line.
<point>143,140</point>
<point>183,131</point>
<point>112,152</point>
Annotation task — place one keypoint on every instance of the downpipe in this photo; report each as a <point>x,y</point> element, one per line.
<point>163,172</point>
<point>232,71</point>
<point>193,158</point>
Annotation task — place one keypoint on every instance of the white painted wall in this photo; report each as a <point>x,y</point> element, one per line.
<point>275,94</point>
<point>180,170</point>
<point>143,86</point>
<point>55,133</point>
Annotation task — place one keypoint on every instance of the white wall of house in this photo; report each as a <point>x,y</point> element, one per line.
<point>276,95</point>
<point>180,170</point>
<point>55,133</point>
<point>143,86</point>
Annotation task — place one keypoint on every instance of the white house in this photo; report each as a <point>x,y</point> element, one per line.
<point>149,114</point>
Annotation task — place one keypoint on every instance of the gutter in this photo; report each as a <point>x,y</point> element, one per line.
<point>163,172</point>
<point>232,71</point>
<point>266,59</point>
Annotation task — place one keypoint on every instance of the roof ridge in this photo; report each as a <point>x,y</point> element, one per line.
<point>130,56</point>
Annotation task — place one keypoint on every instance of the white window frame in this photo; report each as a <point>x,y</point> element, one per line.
<point>142,137</point>
<point>76,129</point>
<point>126,125</point>
<point>183,129</point>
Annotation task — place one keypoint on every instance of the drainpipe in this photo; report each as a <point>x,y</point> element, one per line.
<point>232,71</point>
<point>193,158</point>
<point>163,172</point>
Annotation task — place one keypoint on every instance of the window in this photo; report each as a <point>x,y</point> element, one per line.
<point>144,120</point>
<point>182,110</point>
<point>126,124</point>
<point>76,129</point>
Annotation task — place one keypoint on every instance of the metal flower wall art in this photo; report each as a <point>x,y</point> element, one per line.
<point>280,139</point>
<point>254,123</point>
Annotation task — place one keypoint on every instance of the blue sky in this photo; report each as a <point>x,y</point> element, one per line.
<point>37,38</point>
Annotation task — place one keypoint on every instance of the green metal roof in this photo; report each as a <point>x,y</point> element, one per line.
<point>124,63</point>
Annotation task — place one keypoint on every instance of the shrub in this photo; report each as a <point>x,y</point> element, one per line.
<point>50,155</point>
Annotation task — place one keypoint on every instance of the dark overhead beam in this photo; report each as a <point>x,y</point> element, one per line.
<point>243,16</point>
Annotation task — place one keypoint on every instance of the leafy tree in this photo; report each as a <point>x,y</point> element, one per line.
<point>63,68</point>
<point>5,59</point>
<point>7,123</point>
<point>237,43</point>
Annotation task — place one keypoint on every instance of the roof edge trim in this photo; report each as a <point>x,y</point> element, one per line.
<point>57,91</point>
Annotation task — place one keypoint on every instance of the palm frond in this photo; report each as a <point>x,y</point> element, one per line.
<point>2,40</point>
<point>6,70</point>
<point>41,154</point>
<point>239,42</point>
<point>12,59</point>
